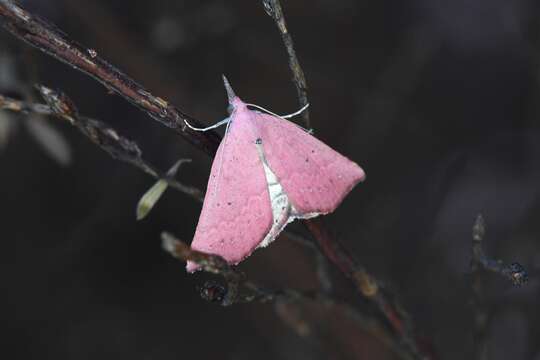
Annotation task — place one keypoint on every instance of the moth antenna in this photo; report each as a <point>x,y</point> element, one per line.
<point>230,92</point>
<point>284,116</point>
<point>288,116</point>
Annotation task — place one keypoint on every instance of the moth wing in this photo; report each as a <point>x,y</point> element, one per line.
<point>315,177</point>
<point>236,214</point>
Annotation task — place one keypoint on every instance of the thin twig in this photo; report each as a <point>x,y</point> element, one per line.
<point>105,137</point>
<point>398,320</point>
<point>514,272</point>
<point>365,283</point>
<point>47,38</point>
<point>239,289</point>
<point>480,261</point>
<point>321,262</point>
<point>7,103</point>
<point>274,10</point>
<point>246,291</point>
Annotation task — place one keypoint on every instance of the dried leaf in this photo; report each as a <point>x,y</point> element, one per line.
<point>151,197</point>
<point>50,139</point>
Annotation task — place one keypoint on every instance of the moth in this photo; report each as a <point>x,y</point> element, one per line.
<point>267,172</point>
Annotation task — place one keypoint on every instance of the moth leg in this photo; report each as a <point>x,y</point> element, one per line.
<point>279,116</point>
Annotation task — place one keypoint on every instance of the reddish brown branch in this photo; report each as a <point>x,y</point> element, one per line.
<point>370,288</point>
<point>239,289</point>
<point>274,10</point>
<point>47,38</point>
<point>366,284</point>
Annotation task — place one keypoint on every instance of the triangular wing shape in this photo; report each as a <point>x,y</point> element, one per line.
<point>236,213</point>
<point>315,177</point>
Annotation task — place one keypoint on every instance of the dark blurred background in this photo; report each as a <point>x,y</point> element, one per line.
<point>437,100</point>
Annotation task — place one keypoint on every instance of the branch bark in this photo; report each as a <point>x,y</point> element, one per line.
<point>102,135</point>
<point>369,287</point>
<point>47,38</point>
<point>240,290</point>
<point>274,10</point>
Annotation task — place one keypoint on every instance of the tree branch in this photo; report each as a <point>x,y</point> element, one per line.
<point>47,38</point>
<point>480,261</point>
<point>367,285</point>
<point>274,10</point>
<point>239,289</point>
<point>105,137</point>
<point>513,272</point>
<point>321,262</point>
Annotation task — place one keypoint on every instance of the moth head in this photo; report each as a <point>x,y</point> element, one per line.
<point>230,92</point>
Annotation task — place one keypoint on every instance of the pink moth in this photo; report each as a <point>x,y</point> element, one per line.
<point>266,173</point>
